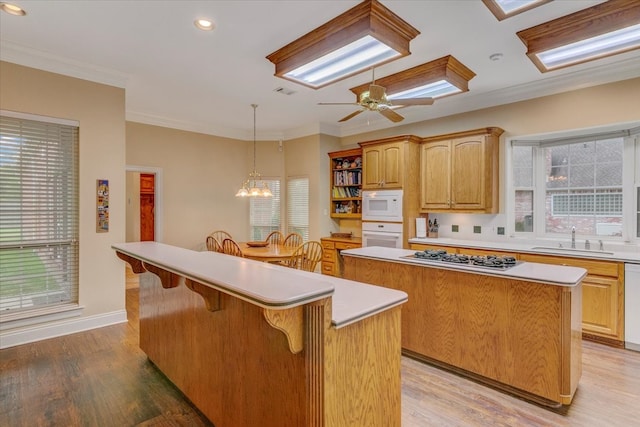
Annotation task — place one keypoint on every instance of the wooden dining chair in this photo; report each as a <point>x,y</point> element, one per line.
<point>213,244</point>
<point>306,256</point>
<point>220,235</point>
<point>293,240</point>
<point>275,238</point>
<point>230,247</point>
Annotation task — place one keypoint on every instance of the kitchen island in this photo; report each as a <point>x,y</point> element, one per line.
<point>250,343</point>
<point>517,329</point>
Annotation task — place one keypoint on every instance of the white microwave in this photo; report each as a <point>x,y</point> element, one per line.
<point>382,205</point>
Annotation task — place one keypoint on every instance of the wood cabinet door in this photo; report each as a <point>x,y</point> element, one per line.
<point>600,306</point>
<point>468,173</point>
<point>392,165</point>
<point>435,173</point>
<point>371,167</point>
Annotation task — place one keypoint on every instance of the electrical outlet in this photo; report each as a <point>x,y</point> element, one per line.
<point>454,228</point>
<point>477,229</point>
<point>500,231</point>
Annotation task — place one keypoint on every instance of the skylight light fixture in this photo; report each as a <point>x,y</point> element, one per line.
<point>363,37</point>
<point>504,9</point>
<point>603,30</point>
<point>435,79</point>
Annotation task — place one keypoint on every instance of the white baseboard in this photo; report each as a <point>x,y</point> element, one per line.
<point>58,329</point>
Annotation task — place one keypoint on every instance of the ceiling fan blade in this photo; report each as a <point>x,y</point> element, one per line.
<point>411,101</point>
<point>338,103</point>
<point>376,92</point>
<point>355,113</point>
<point>391,115</point>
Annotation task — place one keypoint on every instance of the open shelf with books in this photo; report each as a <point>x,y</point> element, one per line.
<point>346,183</point>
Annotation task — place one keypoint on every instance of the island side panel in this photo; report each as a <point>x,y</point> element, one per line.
<point>362,376</point>
<point>504,330</point>
<point>230,363</point>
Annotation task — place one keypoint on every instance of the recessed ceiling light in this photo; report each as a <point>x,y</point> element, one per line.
<point>496,57</point>
<point>204,24</point>
<point>12,9</point>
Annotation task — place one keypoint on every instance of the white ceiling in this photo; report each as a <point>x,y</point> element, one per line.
<point>178,76</point>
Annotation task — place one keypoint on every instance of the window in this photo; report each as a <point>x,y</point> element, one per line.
<point>573,182</point>
<point>298,206</point>
<point>264,212</point>
<point>38,217</point>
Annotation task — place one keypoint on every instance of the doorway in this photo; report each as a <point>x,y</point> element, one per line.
<point>147,207</point>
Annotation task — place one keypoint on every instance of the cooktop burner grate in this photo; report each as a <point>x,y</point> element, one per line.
<point>495,262</point>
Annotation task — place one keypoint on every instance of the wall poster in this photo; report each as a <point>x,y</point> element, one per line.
<point>102,206</point>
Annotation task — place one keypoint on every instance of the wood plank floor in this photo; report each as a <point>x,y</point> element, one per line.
<point>102,378</point>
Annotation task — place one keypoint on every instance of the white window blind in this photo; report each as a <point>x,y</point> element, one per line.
<point>38,217</point>
<point>298,206</point>
<point>264,212</point>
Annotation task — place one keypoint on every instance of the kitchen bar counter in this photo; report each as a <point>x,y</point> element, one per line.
<point>251,343</point>
<point>511,329</point>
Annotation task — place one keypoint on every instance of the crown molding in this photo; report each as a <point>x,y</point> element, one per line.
<point>34,58</point>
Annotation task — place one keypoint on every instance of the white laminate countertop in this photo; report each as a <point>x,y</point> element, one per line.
<point>267,285</point>
<point>558,275</point>
<point>612,252</point>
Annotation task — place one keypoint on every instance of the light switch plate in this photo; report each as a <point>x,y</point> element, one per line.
<point>501,231</point>
<point>477,229</point>
<point>454,228</point>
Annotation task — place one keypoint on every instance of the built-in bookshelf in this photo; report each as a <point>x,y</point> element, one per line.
<point>346,183</point>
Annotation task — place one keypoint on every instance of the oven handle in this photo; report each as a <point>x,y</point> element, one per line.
<point>382,234</point>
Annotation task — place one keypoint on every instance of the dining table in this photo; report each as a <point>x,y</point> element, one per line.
<point>269,253</point>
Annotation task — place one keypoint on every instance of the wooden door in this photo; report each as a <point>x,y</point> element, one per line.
<point>147,207</point>
<point>435,182</point>
<point>468,173</point>
<point>371,165</point>
<point>392,165</point>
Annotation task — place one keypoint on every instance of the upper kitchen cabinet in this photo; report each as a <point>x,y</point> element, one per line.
<point>387,162</point>
<point>459,172</point>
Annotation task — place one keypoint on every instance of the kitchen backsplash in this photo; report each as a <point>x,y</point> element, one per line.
<point>471,226</point>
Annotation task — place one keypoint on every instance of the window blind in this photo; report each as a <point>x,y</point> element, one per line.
<point>298,206</point>
<point>264,213</point>
<point>38,216</point>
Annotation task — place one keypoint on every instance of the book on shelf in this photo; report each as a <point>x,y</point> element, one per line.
<point>347,177</point>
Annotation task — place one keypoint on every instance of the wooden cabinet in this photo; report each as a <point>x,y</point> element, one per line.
<point>459,172</point>
<point>602,296</point>
<point>346,183</point>
<point>383,165</point>
<point>331,258</point>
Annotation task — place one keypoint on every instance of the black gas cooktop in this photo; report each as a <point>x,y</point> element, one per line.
<point>496,262</point>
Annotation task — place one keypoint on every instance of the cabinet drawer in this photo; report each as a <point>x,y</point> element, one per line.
<point>328,268</point>
<point>595,267</point>
<point>342,245</point>
<point>327,244</point>
<point>329,255</point>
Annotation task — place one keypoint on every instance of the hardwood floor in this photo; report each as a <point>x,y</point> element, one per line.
<point>101,378</point>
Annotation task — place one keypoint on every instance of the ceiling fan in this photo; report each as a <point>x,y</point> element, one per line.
<point>375,99</point>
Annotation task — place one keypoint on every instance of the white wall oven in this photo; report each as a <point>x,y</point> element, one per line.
<point>382,205</point>
<point>385,234</point>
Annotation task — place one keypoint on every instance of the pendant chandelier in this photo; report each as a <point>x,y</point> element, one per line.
<point>254,186</point>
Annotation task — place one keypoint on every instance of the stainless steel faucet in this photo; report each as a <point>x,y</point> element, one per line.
<point>573,237</point>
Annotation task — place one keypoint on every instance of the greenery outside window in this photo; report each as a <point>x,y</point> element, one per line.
<point>264,212</point>
<point>38,217</point>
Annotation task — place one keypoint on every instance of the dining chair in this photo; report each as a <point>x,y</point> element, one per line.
<point>306,256</point>
<point>220,235</point>
<point>230,247</point>
<point>213,244</point>
<point>275,238</point>
<point>293,240</point>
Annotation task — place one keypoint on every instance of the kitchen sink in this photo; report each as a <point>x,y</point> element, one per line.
<point>571,250</point>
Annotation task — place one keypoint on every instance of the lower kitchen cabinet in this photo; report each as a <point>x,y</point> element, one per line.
<point>602,296</point>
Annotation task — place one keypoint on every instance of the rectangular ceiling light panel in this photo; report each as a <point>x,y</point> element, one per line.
<point>504,9</point>
<point>603,30</point>
<point>435,79</point>
<point>365,36</point>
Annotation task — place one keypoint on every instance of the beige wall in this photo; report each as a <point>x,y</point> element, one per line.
<point>200,177</point>
<point>100,110</point>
